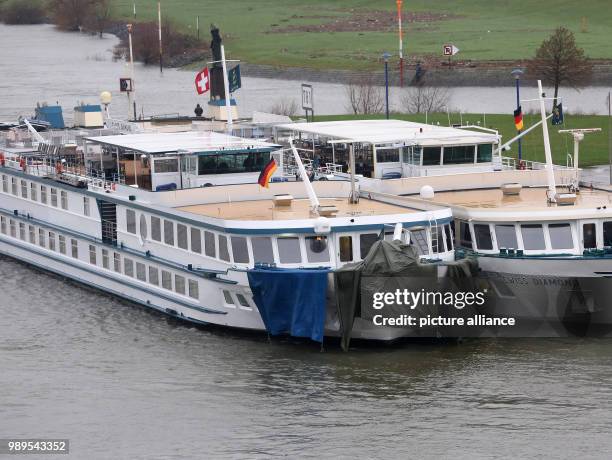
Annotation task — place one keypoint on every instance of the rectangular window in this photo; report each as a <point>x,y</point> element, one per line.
<point>560,236</point>
<point>483,237</point>
<point>128,267</point>
<point>289,250</point>
<point>62,244</point>
<point>155,228</point>
<point>209,244</point>
<point>141,271</point>
<point>229,300</point>
<point>366,241</point>
<point>194,289</point>
<point>317,249</point>
<point>14,186</point>
<point>153,275</point>
<point>43,194</point>
<point>465,235</point>
<point>533,237</point>
<point>240,250</point>
<point>459,154</point>
<point>179,284</point>
<point>346,248</point>
<point>607,234</point>
<point>24,189</point>
<point>485,153</point>
<point>33,190</point>
<point>169,165</point>
<point>169,232</point>
<point>3,224</point>
<point>589,236</point>
<point>53,197</point>
<point>117,262</point>
<point>86,206</point>
<point>431,156</point>
<point>32,232</point>
<point>196,240</point>
<point>52,241</point>
<point>74,247</point>
<point>506,236</point>
<point>13,228</point>
<point>262,249</point>
<point>166,280</point>
<point>223,249</point>
<point>181,236</point>
<point>387,156</point>
<point>449,237</point>
<point>4,183</point>
<point>105,259</point>
<point>64,199</point>
<point>243,301</point>
<point>92,254</point>
<point>42,238</point>
<point>130,221</point>
<point>418,239</point>
<point>22,231</point>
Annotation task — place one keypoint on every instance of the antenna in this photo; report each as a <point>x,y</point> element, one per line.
<point>312,196</point>
<point>550,173</point>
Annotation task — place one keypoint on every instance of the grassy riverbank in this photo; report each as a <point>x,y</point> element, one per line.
<point>352,34</point>
<point>594,148</point>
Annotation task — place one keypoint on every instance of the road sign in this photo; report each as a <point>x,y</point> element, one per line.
<point>449,50</point>
<point>125,85</point>
<point>307,101</point>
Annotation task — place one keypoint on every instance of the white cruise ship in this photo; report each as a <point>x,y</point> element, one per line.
<point>175,222</point>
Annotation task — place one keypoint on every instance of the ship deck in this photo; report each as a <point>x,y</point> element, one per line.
<point>528,199</point>
<point>299,209</point>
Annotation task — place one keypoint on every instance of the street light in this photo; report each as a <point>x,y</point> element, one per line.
<point>386,57</point>
<point>516,73</point>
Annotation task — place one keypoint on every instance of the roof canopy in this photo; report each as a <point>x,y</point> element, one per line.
<point>391,132</point>
<point>189,142</point>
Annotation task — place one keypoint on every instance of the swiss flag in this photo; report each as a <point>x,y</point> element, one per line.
<point>202,82</point>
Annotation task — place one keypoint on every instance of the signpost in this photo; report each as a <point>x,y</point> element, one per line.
<point>449,50</point>
<point>307,101</point>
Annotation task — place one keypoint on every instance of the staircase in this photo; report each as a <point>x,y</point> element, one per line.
<point>108,215</point>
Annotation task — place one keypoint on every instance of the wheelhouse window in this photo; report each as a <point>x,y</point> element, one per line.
<point>196,240</point>
<point>607,233</point>
<point>155,228</point>
<point>262,249</point>
<point>227,163</point>
<point>366,241</point>
<point>459,154</point>
<point>181,236</point>
<point>169,232</point>
<point>240,250</point>
<point>418,239</point>
<point>506,236</point>
<point>130,221</point>
<point>346,248</point>
<point>448,231</point>
<point>166,165</point>
<point>388,155</point>
<point>431,156</point>
<point>289,250</point>
<point>317,249</point>
<point>533,237</point>
<point>483,237</point>
<point>484,153</point>
<point>560,236</point>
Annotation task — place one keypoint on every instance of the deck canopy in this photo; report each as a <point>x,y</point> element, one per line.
<point>190,142</point>
<point>384,132</point>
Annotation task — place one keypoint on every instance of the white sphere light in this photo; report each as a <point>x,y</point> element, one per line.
<point>106,97</point>
<point>427,192</point>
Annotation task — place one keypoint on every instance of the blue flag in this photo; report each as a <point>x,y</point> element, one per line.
<point>557,118</point>
<point>234,79</point>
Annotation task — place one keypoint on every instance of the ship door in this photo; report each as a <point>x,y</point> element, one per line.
<point>589,235</point>
<point>189,171</point>
<point>345,248</point>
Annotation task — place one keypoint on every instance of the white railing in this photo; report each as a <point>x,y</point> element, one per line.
<point>513,163</point>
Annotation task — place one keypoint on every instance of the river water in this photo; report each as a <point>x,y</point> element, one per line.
<point>124,383</point>
<point>40,64</point>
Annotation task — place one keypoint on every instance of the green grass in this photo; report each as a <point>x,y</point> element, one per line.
<point>593,150</point>
<point>482,29</point>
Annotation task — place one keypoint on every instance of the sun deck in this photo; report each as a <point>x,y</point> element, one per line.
<point>299,209</point>
<point>528,199</point>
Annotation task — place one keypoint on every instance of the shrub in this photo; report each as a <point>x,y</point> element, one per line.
<point>20,12</point>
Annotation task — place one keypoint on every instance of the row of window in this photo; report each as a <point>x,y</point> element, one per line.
<point>433,156</point>
<point>101,256</point>
<point>269,250</point>
<point>534,237</point>
<point>40,193</point>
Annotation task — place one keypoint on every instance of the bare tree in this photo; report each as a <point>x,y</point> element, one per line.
<point>365,97</point>
<point>285,106</point>
<point>99,16</point>
<point>71,14</point>
<point>422,99</point>
<point>558,60</point>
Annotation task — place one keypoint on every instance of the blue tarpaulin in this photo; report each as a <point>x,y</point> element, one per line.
<point>291,301</point>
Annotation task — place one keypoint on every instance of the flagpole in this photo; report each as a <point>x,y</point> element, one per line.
<point>610,134</point>
<point>161,69</point>
<point>401,42</point>
<point>517,76</point>
<point>228,101</point>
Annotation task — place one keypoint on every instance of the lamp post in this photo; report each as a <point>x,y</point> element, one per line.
<point>516,73</point>
<point>386,57</point>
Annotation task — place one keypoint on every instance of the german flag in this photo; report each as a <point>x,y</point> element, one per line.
<point>266,173</point>
<point>518,119</point>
